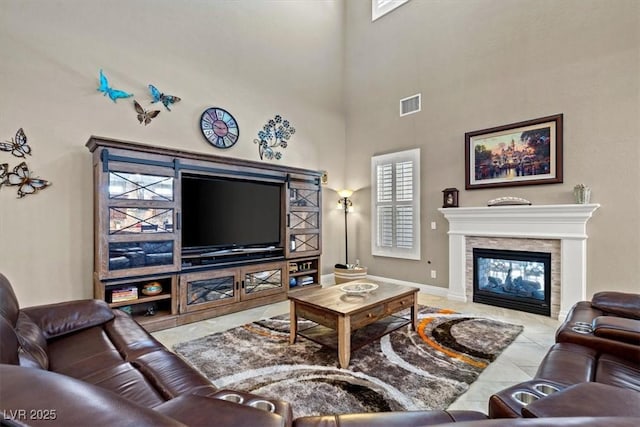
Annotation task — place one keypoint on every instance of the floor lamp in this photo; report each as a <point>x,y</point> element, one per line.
<point>345,204</point>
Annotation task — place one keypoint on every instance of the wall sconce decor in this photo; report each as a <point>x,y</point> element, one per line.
<point>345,204</point>
<point>450,198</point>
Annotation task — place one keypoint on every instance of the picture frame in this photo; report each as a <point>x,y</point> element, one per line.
<point>523,153</point>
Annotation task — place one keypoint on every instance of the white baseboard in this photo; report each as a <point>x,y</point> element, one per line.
<point>329,279</point>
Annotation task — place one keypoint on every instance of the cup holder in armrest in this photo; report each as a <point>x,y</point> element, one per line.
<point>545,389</point>
<point>582,329</point>
<point>232,397</point>
<point>582,324</point>
<point>524,397</point>
<point>265,405</point>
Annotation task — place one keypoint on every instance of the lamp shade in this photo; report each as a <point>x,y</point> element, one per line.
<point>345,193</point>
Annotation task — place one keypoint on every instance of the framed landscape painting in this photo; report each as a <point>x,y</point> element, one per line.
<point>523,153</point>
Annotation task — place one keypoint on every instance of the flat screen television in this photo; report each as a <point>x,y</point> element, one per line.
<point>221,213</point>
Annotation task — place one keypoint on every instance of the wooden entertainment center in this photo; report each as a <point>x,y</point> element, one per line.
<point>140,264</point>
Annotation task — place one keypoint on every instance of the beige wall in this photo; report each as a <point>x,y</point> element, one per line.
<point>254,58</point>
<point>485,63</point>
<point>338,78</point>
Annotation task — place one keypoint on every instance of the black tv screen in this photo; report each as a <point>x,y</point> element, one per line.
<point>221,213</point>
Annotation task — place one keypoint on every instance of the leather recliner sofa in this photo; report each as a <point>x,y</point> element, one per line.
<point>82,363</point>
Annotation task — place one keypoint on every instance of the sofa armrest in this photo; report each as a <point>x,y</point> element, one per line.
<point>195,410</point>
<point>617,328</point>
<point>618,303</point>
<point>65,317</point>
<point>586,400</point>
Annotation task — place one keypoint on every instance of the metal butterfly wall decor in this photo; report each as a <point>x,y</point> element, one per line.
<point>22,177</point>
<point>17,146</point>
<point>4,169</point>
<point>144,115</point>
<point>165,99</point>
<point>114,94</point>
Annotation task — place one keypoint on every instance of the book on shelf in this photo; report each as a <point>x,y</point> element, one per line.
<point>124,294</point>
<point>305,280</point>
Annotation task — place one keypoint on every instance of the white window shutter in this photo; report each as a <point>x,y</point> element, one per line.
<point>396,205</point>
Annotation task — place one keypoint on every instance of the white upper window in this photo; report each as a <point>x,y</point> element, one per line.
<point>395,225</point>
<point>382,7</point>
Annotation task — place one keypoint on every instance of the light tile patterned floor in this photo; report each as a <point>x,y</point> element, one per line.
<point>517,363</point>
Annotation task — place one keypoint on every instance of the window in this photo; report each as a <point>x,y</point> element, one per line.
<point>395,225</point>
<point>382,7</point>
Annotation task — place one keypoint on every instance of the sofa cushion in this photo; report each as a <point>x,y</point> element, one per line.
<point>618,372</point>
<point>618,303</point>
<point>568,364</point>
<point>128,382</point>
<point>66,317</point>
<point>169,374</point>
<point>33,345</point>
<point>129,338</point>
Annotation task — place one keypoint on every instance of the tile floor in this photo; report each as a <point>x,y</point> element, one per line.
<point>516,364</point>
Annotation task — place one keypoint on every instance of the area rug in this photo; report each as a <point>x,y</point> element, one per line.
<point>405,370</point>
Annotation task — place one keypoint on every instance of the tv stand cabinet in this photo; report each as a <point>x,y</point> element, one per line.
<point>139,263</point>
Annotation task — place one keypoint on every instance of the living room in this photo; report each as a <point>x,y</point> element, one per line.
<point>337,76</point>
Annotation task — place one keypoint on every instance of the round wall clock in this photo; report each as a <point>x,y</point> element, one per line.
<point>219,127</point>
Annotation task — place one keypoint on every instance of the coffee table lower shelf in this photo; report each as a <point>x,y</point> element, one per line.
<point>360,337</point>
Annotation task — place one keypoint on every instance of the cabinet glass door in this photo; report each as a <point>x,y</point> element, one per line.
<point>208,289</point>
<point>265,280</point>
<point>303,220</point>
<point>135,186</point>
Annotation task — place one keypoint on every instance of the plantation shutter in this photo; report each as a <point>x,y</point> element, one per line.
<point>396,205</point>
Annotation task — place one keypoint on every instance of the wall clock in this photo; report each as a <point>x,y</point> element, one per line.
<point>219,127</point>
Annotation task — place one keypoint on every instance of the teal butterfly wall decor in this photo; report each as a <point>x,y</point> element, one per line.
<point>17,146</point>
<point>21,177</point>
<point>114,94</point>
<point>165,99</point>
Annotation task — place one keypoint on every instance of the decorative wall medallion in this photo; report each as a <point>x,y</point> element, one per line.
<point>144,115</point>
<point>274,134</point>
<point>114,94</point>
<point>219,127</point>
<point>21,177</point>
<point>17,146</point>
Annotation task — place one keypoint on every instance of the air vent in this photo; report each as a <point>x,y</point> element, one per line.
<point>410,105</point>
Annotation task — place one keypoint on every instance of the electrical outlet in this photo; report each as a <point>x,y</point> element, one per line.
<point>433,225</point>
<point>433,274</point>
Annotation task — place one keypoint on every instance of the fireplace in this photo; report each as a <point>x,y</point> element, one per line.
<point>519,280</point>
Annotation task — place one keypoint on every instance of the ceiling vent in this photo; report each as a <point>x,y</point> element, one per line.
<point>410,105</point>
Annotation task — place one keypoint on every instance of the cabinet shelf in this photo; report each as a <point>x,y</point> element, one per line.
<point>140,300</point>
<point>303,272</point>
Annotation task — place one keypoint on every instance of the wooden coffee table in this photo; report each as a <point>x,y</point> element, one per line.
<point>349,322</point>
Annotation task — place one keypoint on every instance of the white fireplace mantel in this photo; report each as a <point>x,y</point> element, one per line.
<point>566,223</point>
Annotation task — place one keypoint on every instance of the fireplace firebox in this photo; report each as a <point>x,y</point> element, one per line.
<point>519,280</point>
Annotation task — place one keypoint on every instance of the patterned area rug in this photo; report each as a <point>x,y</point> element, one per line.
<point>405,370</point>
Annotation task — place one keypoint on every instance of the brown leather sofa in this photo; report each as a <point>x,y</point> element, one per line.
<point>82,363</point>
<point>599,342</point>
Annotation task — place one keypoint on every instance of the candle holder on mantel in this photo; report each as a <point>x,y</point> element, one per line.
<point>582,193</point>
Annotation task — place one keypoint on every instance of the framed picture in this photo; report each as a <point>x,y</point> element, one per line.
<point>523,153</point>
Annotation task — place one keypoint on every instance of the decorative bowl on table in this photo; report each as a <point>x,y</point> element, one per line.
<point>358,288</point>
